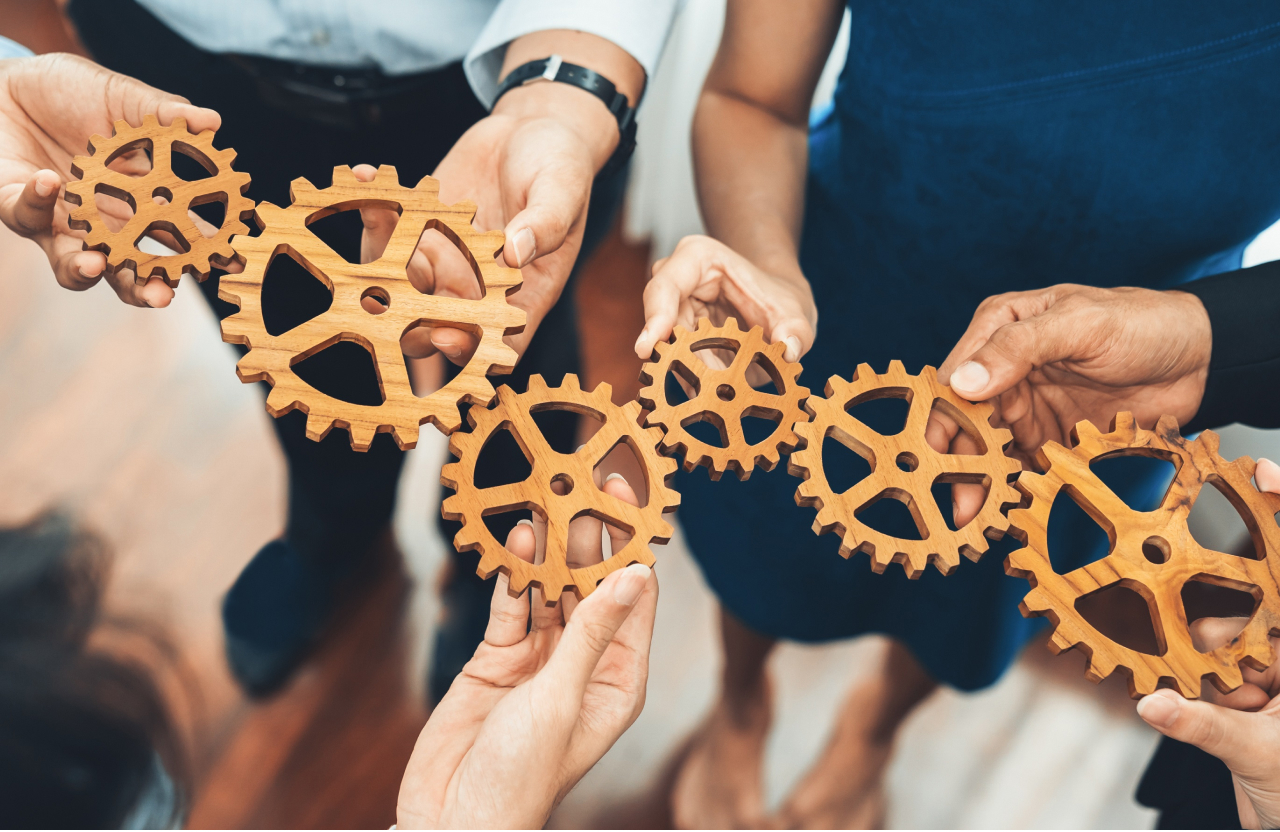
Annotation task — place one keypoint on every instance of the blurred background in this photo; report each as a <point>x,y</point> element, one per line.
<point>133,421</point>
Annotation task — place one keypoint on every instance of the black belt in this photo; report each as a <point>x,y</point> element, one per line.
<point>351,97</point>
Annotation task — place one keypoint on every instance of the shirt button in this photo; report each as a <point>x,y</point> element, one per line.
<point>320,37</point>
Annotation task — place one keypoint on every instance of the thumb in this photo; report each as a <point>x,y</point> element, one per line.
<point>1231,736</point>
<point>591,630</point>
<point>797,333</point>
<point>30,212</point>
<point>1010,354</point>
<point>556,202</point>
<point>1267,476</point>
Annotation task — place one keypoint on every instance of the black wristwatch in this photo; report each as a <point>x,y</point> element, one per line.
<point>556,68</point>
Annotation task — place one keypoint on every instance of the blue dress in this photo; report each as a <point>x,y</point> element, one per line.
<point>977,147</point>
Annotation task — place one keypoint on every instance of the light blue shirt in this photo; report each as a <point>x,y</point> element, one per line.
<point>13,49</point>
<point>405,36</point>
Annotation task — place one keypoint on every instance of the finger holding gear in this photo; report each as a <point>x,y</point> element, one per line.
<point>1152,553</point>
<point>722,395</point>
<point>560,488</point>
<point>378,326</point>
<point>904,467</point>
<point>160,200</point>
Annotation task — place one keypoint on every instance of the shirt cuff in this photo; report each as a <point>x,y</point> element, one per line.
<point>13,49</point>
<point>640,27</point>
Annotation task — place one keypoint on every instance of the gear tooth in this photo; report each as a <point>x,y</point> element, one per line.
<point>388,177</point>
<point>318,426</point>
<point>570,382</point>
<point>1210,441</point>
<point>279,399</point>
<point>1124,423</point>
<point>451,474</point>
<point>362,436</point>
<point>1059,641</point>
<point>862,372</point>
<point>536,382</point>
<point>704,325</point>
<point>896,367</point>
<point>122,126</point>
<point>1167,425</point>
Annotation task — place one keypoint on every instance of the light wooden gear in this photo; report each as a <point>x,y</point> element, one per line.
<point>1152,553</point>
<point>515,412</point>
<point>904,467</point>
<point>121,247</point>
<point>723,397</point>
<point>272,357</point>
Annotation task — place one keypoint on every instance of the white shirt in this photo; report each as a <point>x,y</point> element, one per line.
<point>12,49</point>
<point>405,36</point>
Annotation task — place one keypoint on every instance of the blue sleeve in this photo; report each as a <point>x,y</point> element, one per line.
<point>13,49</point>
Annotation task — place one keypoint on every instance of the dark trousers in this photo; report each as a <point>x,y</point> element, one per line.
<point>339,500</point>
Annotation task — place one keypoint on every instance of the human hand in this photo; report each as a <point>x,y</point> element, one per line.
<point>1241,728</point>
<point>541,701</point>
<point>704,278</point>
<point>1049,358</point>
<point>49,107</point>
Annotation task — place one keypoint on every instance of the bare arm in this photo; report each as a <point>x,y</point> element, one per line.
<point>750,133</point>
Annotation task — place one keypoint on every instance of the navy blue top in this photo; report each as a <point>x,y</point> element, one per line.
<point>977,147</point>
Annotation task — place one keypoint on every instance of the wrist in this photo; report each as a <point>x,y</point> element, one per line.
<point>1199,331</point>
<point>577,110</point>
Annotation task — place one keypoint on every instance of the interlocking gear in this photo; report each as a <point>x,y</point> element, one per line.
<point>121,247</point>
<point>573,472</point>
<point>723,397</point>
<point>1152,553</point>
<point>904,467</point>
<point>402,306</point>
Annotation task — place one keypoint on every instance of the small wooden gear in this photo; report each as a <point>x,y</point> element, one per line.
<point>573,471</point>
<point>723,397</point>
<point>904,467</point>
<point>1152,553</point>
<point>272,357</point>
<point>121,247</point>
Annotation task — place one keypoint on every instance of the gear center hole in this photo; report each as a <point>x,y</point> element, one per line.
<point>907,461</point>
<point>726,393</point>
<point>375,300</point>
<point>565,482</point>
<point>1156,549</point>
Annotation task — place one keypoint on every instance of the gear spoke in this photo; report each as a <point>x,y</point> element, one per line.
<point>503,498</point>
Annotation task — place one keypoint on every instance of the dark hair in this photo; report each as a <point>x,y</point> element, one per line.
<point>83,734</point>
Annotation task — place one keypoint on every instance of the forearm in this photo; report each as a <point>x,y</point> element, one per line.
<point>578,109</point>
<point>750,172</point>
<point>1244,365</point>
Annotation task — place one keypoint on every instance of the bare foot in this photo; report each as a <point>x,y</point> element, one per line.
<point>843,790</point>
<point>719,784</point>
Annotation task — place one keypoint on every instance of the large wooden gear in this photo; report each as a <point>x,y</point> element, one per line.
<point>573,472</point>
<point>723,397</point>
<point>121,247</point>
<point>272,357</point>
<point>904,467</point>
<point>1152,553</point>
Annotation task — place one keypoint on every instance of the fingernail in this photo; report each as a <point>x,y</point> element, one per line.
<point>630,584</point>
<point>44,189</point>
<point>1159,710</point>
<point>525,247</point>
<point>615,476</point>
<point>970,377</point>
<point>525,522</point>
<point>450,350</point>
<point>792,352</point>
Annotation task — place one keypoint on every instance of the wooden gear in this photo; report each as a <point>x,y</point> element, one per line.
<point>515,412</point>
<point>723,397</point>
<point>904,467</point>
<point>121,247</point>
<point>1152,553</point>
<point>272,357</point>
